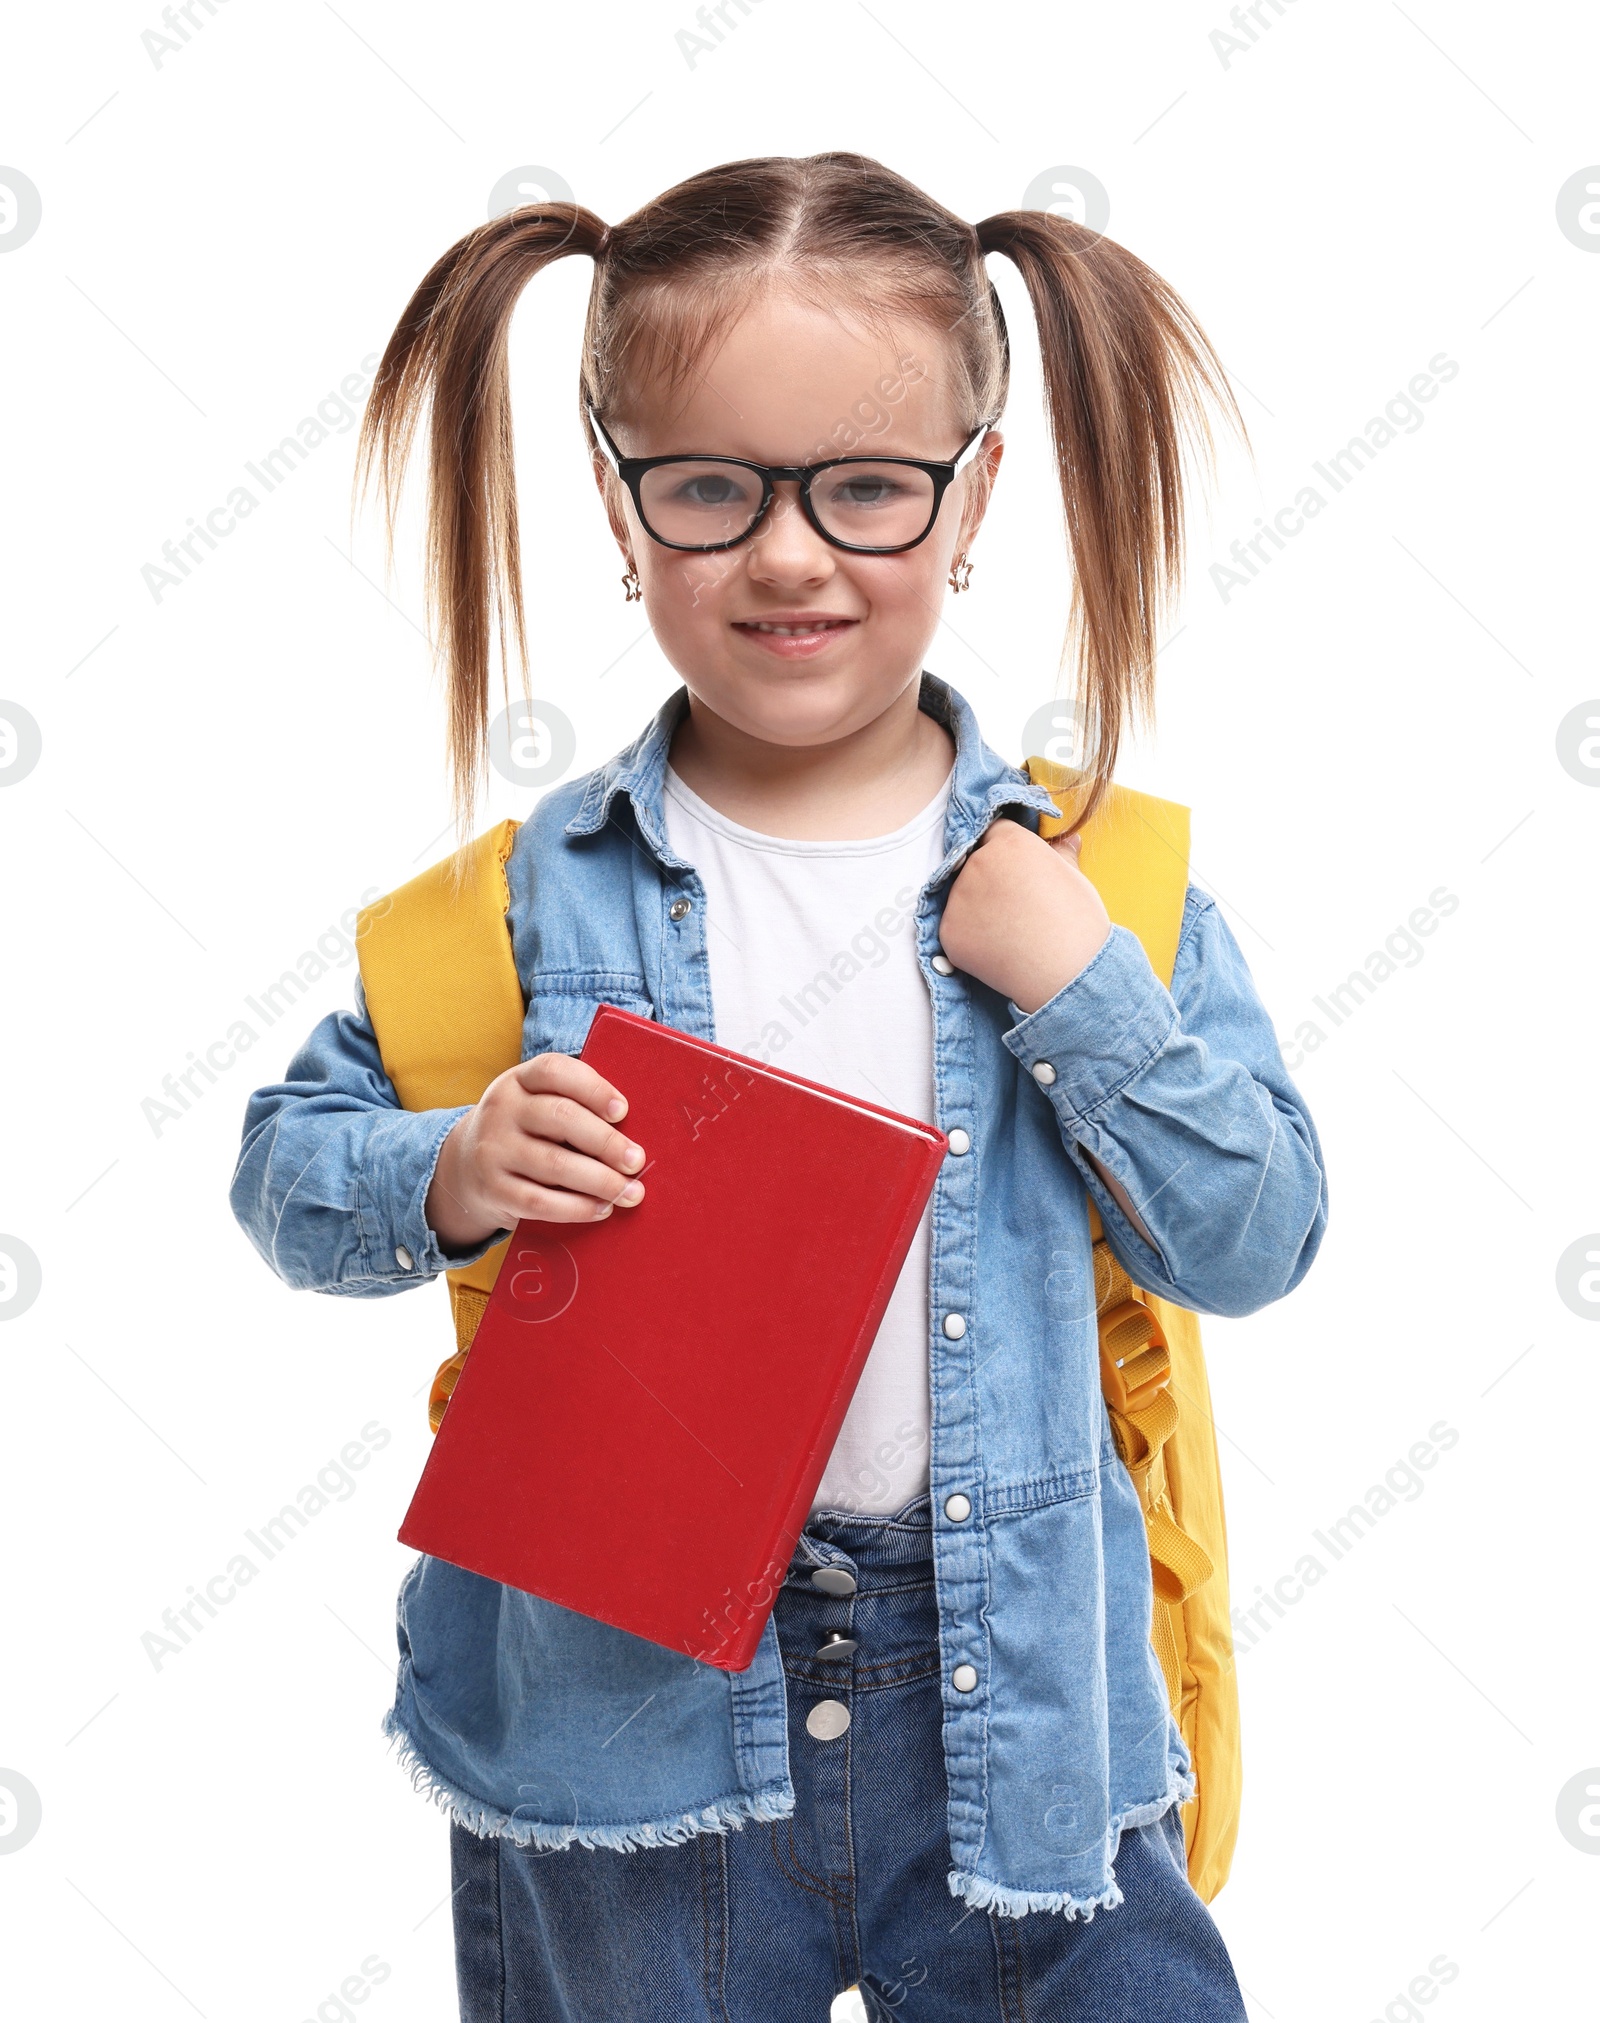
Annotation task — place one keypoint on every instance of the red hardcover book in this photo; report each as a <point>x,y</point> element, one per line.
<point>651,1400</point>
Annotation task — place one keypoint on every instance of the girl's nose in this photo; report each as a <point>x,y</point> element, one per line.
<point>786,548</point>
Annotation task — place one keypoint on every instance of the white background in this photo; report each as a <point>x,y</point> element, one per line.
<point>228,769</point>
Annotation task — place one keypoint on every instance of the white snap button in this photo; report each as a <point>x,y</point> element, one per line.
<point>1043,1073</point>
<point>828,1719</point>
<point>959,1141</point>
<point>943,964</point>
<point>963,1678</point>
<point>958,1508</point>
<point>403,1257</point>
<point>955,1326</point>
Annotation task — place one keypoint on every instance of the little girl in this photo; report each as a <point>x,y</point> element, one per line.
<point>791,378</point>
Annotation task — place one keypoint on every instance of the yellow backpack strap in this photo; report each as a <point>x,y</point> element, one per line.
<point>1152,1366</point>
<point>446,1005</point>
<point>1135,852</point>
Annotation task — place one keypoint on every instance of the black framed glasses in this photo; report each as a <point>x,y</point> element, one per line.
<point>869,505</point>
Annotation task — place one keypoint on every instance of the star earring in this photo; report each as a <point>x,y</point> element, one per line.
<point>631,588</point>
<point>960,573</point>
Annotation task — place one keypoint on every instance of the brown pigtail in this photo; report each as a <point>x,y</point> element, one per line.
<point>449,349</point>
<point>1126,372</point>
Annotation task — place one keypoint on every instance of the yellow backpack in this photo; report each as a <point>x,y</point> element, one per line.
<point>446,1004</point>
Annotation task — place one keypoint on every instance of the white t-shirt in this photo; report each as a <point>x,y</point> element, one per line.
<point>813,960</point>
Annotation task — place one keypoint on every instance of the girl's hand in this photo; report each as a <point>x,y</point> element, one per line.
<point>541,1145</point>
<point>1020,916</point>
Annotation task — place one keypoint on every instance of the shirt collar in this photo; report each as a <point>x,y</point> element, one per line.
<point>983,783</point>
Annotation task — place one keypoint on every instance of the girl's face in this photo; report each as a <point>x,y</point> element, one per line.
<point>793,384</point>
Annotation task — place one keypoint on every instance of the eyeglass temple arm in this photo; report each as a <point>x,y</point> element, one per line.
<point>969,448</point>
<point>600,430</point>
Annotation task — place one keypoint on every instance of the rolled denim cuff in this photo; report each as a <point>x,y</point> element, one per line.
<point>398,1247</point>
<point>1089,1041</point>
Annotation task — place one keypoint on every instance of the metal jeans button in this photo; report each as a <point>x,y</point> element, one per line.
<point>828,1720</point>
<point>834,1580</point>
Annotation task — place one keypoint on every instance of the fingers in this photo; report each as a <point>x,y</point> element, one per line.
<point>546,1163</point>
<point>519,1177</point>
<point>566,1121</point>
<point>556,1154</point>
<point>566,1075</point>
<point>500,1200</point>
<point>518,1200</point>
<point>1069,845</point>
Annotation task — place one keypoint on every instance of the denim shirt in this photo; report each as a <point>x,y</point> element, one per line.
<point>525,1719</point>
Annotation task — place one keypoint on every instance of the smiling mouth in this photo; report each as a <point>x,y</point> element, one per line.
<point>805,629</point>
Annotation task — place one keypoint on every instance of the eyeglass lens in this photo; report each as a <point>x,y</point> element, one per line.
<point>868,505</point>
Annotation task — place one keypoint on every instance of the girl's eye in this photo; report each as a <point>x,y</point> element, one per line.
<point>699,504</point>
<point>865,491</point>
<point>714,489</point>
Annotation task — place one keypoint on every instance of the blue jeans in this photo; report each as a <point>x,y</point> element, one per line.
<point>771,1921</point>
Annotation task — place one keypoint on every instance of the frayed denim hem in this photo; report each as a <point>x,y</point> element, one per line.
<point>984,1895</point>
<point>488,1821</point>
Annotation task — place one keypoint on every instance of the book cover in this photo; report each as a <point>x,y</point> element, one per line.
<point>650,1400</point>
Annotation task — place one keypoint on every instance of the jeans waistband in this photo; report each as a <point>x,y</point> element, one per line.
<point>859,1540</point>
